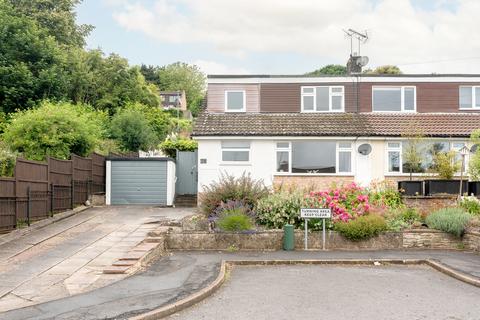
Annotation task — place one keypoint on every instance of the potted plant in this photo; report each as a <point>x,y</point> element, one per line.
<point>412,163</point>
<point>474,165</point>
<point>445,165</point>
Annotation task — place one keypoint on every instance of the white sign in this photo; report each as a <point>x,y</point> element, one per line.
<point>315,213</point>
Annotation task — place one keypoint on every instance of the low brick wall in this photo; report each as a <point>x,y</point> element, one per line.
<point>273,240</point>
<point>426,205</point>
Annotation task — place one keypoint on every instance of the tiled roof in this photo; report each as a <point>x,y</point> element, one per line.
<point>336,124</point>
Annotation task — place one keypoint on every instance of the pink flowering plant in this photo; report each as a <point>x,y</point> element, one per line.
<point>347,202</point>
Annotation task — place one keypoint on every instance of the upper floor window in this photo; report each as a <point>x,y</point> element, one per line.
<point>469,97</point>
<point>323,99</point>
<point>235,101</point>
<point>394,99</point>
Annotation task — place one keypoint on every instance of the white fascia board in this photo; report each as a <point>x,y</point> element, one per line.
<point>350,138</point>
<point>254,80</point>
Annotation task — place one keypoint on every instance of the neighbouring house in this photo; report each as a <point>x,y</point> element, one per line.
<point>318,130</point>
<point>173,100</point>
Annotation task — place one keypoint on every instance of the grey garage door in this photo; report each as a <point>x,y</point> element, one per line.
<point>139,182</point>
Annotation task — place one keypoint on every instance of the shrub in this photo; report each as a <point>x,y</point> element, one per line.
<point>402,218</point>
<point>132,130</point>
<point>7,162</point>
<point>170,146</point>
<point>361,228</point>
<point>279,209</point>
<point>470,204</point>
<point>445,165</point>
<point>229,187</point>
<point>346,202</point>
<point>451,220</point>
<point>234,220</point>
<point>55,130</point>
<point>385,195</point>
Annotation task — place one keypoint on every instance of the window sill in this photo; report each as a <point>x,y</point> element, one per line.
<point>280,174</point>
<point>233,164</point>
<point>469,109</point>
<point>327,111</point>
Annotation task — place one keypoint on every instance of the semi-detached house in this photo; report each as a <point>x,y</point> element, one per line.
<point>318,130</point>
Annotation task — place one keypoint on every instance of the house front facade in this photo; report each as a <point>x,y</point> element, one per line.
<point>315,131</point>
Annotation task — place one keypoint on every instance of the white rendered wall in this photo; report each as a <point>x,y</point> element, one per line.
<point>108,182</point>
<point>171,179</point>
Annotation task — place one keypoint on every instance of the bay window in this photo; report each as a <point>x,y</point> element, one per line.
<point>314,157</point>
<point>322,99</point>
<point>393,99</point>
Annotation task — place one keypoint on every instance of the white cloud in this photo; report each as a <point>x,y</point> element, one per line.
<point>212,67</point>
<point>400,33</point>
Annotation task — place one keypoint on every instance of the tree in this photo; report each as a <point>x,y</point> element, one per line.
<point>108,83</point>
<point>413,151</point>
<point>330,69</point>
<point>474,163</point>
<point>132,131</point>
<point>387,69</point>
<point>57,17</point>
<point>55,130</point>
<point>31,62</point>
<point>180,76</point>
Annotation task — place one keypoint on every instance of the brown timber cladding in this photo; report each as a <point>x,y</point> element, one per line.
<point>431,96</point>
<point>216,96</point>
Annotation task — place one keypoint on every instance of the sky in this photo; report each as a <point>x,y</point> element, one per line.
<point>288,36</point>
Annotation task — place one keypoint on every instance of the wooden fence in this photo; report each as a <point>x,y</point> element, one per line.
<point>39,189</point>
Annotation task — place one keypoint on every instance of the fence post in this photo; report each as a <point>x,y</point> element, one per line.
<point>52,196</point>
<point>72,194</point>
<point>29,205</point>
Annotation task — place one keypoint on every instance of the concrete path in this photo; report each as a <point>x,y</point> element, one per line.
<point>183,273</point>
<point>69,256</point>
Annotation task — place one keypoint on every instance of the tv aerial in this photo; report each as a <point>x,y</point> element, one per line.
<point>360,37</point>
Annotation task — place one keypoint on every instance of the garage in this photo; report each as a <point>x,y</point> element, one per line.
<point>140,181</point>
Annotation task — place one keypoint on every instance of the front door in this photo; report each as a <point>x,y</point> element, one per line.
<point>187,173</point>
<point>363,175</point>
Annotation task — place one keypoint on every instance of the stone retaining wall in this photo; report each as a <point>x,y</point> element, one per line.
<point>273,240</point>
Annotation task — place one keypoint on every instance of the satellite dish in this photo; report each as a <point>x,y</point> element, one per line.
<point>365,149</point>
<point>474,148</point>
<point>362,61</point>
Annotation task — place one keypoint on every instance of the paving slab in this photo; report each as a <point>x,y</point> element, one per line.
<point>74,252</point>
<point>182,273</point>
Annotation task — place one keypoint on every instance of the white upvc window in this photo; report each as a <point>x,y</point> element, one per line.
<point>283,158</point>
<point>235,151</point>
<point>323,99</point>
<point>394,99</point>
<point>235,101</point>
<point>305,157</point>
<point>469,97</point>
<point>427,149</point>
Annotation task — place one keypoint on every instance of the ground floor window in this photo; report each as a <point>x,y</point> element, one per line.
<point>233,151</point>
<point>397,154</point>
<point>314,157</point>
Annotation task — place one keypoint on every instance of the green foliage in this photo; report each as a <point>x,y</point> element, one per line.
<point>57,17</point>
<point>470,204</point>
<point>170,146</point>
<point>229,187</point>
<point>55,130</point>
<point>386,195</point>
<point>132,131</point>
<point>451,220</point>
<point>387,69</point>
<point>331,69</point>
<point>413,152</point>
<point>279,209</point>
<point>31,62</point>
<point>363,227</point>
<point>445,164</point>
<point>474,162</point>
<point>179,76</point>
<point>7,162</point>
<point>402,218</point>
<point>107,83</point>
<point>234,220</point>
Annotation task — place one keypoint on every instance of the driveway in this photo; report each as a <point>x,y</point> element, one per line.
<point>69,256</point>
